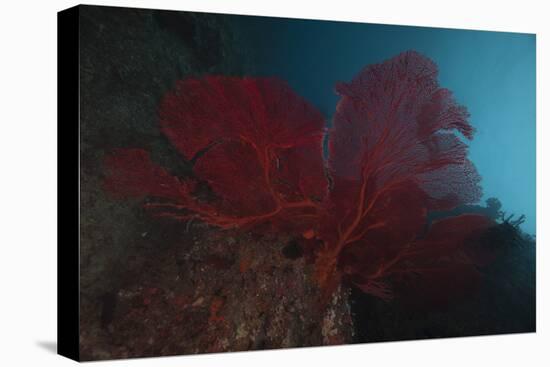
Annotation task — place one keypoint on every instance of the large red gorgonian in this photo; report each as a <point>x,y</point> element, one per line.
<point>394,155</point>
<point>255,142</point>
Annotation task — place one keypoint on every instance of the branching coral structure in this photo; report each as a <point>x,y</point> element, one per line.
<point>394,155</point>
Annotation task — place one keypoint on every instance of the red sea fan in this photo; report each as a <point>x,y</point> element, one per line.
<point>394,156</point>
<point>256,144</point>
<point>131,173</point>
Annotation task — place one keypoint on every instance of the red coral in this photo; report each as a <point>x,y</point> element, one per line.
<point>255,142</point>
<point>131,173</point>
<point>425,267</point>
<point>394,155</point>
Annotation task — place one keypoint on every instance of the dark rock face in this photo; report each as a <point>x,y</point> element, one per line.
<point>210,292</point>
<point>154,287</point>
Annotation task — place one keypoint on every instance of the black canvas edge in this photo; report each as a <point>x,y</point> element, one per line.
<point>68,184</point>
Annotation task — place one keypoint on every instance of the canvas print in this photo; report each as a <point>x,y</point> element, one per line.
<point>251,183</point>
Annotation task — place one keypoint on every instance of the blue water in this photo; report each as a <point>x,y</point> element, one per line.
<point>491,73</point>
